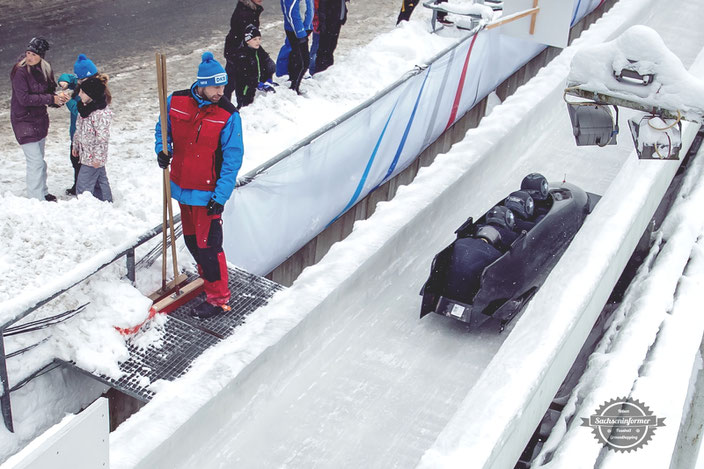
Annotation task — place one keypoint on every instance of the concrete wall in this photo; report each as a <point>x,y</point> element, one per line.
<point>316,248</point>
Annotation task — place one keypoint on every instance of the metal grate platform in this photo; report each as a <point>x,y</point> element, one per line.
<point>187,337</point>
<point>249,292</point>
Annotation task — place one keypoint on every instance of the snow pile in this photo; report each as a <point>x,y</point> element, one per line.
<point>640,49</point>
<point>46,247</point>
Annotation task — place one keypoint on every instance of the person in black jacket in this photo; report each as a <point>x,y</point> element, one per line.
<point>332,14</point>
<point>246,12</point>
<point>254,68</point>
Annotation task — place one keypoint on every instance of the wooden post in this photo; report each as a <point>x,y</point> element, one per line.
<point>168,208</point>
<point>534,17</point>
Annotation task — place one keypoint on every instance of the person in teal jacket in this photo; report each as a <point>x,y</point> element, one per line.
<point>68,82</point>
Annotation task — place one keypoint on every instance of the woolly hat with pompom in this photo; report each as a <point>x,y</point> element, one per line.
<point>210,72</point>
<point>84,67</point>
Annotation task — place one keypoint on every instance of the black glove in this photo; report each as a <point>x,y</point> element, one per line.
<point>303,40</point>
<point>215,208</point>
<point>164,159</point>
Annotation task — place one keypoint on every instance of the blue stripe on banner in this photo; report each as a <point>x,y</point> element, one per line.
<point>576,10</point>
<point>405,133</point>
<point>362,181</point>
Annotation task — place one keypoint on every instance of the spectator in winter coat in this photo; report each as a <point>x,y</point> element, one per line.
<point>90,142</point>
<point>285,51</point>
<point>332,14</point>
<point>246,12</point>
<point>83,68</point>
<point>254,68</point>
<point>297,30</point>
<point>33,88</point>
<point>69,83</point>
<point>205,133</point>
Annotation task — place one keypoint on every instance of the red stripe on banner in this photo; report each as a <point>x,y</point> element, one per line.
<point>458,94</point>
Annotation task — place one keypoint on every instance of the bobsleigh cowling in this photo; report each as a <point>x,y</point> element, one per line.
<point>498,262</point>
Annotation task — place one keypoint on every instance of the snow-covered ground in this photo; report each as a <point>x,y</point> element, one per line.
<point>26,251</point>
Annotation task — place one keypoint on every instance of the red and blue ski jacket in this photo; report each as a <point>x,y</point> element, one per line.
<point>207,147</point>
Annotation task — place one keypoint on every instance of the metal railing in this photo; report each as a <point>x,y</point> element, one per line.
<point>128,254</point>
<point>251,175</point>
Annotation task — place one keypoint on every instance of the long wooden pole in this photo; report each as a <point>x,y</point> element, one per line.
<point>168,208</point>
<point>164,232</point>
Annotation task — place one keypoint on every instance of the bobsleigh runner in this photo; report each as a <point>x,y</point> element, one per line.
<point>497,263</point>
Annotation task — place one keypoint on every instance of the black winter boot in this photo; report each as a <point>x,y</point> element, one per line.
<point>206,310</point>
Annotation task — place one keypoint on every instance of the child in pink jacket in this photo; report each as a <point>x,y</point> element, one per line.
<point>90,142</point>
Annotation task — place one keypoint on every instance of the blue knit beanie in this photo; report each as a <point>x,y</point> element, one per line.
<point>210,72</point>
<point>84,67</point>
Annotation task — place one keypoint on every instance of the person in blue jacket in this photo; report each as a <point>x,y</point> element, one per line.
<point>205,149</point>
<point>285,51</point>
<point>83,68</point>
<point>297,30</point>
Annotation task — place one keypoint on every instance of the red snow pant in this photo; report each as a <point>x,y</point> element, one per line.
<point>203,236</point>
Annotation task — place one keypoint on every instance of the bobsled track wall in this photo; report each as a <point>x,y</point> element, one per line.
<point>317,247</point>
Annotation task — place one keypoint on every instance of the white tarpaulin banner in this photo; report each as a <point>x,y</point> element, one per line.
<point>287,205</point>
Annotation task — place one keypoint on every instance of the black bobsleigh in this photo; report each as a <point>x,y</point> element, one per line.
<point>498,262</point>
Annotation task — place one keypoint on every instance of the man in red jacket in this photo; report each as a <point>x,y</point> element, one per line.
<point>205,133</point>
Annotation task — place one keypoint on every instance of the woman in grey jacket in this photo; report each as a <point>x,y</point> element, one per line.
<point>33,88</point>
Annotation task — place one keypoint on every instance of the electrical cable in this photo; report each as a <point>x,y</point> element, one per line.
<point>677,121</point>
<point>26,349</point>
<point>43,323</point>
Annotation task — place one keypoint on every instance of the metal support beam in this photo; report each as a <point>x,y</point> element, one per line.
<point>5,398</point>
<point>130,259</point>
<point>603,98</point>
